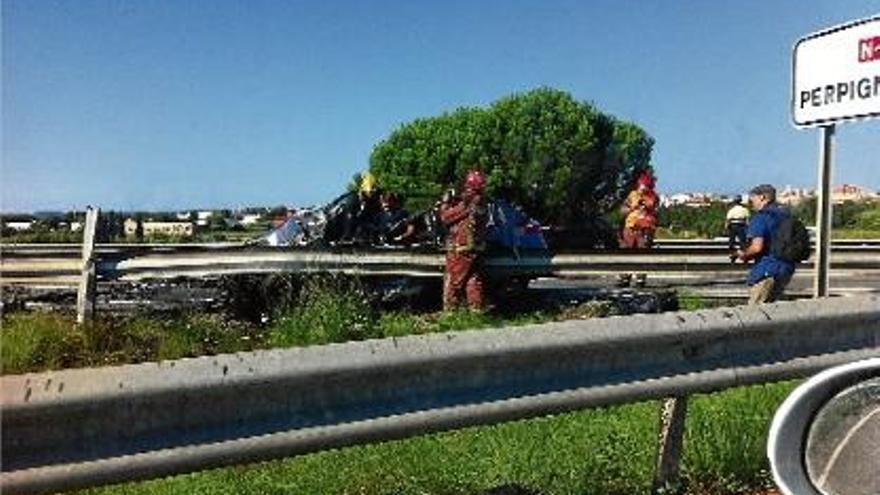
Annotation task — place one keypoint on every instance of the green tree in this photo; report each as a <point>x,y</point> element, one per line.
<point>704,221</point>
<point>869,218</point>
<point>562,159</point>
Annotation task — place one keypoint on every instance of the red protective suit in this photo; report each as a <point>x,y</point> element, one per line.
<point>466,221</point>
<point>640,221</point>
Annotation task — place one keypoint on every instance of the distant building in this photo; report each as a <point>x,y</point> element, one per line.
<point>19,226</point>
<point>251,218</point>
<point>849,192</point>
<point>792,196</point>
<point>184,229</point>
<point>177,229</point>
<point>76,226</point>
<point>695,199</point>
<point>184,215</point>
<point>679,199</point>
<point>129,226</point>
<point>203,218</point>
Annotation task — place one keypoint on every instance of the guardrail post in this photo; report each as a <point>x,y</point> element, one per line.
<point>85,295</point>
<point>670,440</point>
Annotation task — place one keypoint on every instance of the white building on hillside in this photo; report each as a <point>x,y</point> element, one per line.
<point>793,196</point>
<point>251,218</point>
<point>849,192</point>
<point>19,226</point>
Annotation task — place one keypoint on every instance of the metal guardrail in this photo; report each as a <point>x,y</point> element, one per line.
<point>76,428</point>
<point>722,241</point>
<point>38,268</point>
<point>715,244</point>
<point>61,266</point>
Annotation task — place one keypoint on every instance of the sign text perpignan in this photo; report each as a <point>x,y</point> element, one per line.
<point>836,74</point>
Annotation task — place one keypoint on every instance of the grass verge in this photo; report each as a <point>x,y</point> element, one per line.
<point>600,451</point>
<point>39,341</point>
<point>326,310</point>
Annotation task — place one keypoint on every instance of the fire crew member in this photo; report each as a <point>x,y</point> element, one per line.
<point>640,221</point>
<point>465,218</point>
<point>640,214</point>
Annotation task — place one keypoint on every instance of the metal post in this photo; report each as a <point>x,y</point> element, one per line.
<point>823,212</point>
<point>673,412</point>
<point>85,296</point>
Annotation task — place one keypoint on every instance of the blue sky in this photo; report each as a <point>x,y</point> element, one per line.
<point>170,104</point>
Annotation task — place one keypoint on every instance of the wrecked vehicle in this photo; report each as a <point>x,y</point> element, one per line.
<point>346,222</point>
<point>516,249</point>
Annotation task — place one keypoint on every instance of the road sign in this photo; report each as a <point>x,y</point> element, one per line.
<point>836,74</point>
<point>835,77</point>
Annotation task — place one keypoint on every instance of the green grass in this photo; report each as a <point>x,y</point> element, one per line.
<point>33,342</point>
<point>855,234</point>
<point>327,310</point>
<point>667,233</point>
<point>38,341</point>
<point>600,451</point>
<point>836,233</point>
<point>726,438</point>
<point>691,301</point>
<point>44,237</point>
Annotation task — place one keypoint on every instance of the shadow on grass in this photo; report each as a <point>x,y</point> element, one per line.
<point>510,490</point>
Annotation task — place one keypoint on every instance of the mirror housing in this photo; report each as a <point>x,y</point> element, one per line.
<point>825,437</point>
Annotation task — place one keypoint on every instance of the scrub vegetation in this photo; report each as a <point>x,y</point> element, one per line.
<point>850,220</point>
<point>322,310</point>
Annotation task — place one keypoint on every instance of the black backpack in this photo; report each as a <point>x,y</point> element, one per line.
<point>791,241</point>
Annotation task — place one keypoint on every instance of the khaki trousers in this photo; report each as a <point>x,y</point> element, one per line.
<point>767,290</point>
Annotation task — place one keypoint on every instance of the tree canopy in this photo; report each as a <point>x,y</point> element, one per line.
<point>561,159</point>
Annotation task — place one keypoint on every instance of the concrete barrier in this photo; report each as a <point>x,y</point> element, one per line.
<point>77,428</point>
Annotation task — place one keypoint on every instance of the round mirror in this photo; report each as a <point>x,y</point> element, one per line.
<point>825,437</point>
<point>843,444</point>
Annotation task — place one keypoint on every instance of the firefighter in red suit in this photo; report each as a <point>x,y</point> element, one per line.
<point>640,222</point>
<point>465,217</point>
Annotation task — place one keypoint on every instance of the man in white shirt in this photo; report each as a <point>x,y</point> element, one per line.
<point>736,224</point>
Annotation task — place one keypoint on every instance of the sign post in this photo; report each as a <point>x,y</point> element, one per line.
<point>835,78</point>
<point>823,212</point>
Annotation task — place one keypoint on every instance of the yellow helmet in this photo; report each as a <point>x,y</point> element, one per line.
<point>368,183</point>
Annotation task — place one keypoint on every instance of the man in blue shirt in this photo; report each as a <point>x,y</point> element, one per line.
<point>769,275</point>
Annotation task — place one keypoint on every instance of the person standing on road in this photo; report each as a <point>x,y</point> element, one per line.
<point>466,220</point>
<point>640,214</point>
<point>640,222</point>
<point>770,274</point>
<point>736,224</point>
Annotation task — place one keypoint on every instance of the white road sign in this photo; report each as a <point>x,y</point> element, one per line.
<point>836,74</point>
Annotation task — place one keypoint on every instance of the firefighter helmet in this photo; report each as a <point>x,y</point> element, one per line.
<point>645,179</point>
<point>475,181</point>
